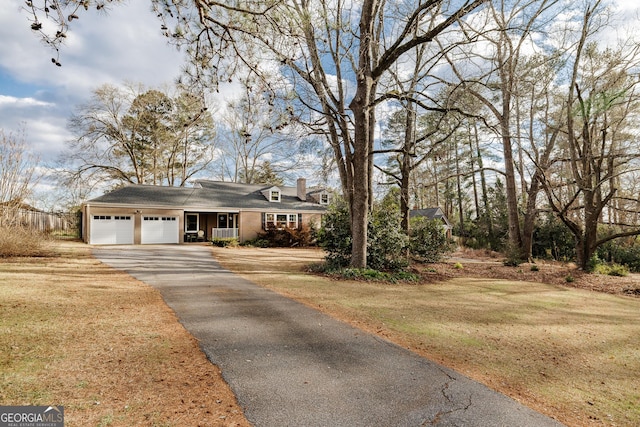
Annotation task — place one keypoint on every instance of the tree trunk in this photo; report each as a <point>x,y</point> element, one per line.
<point>530,215</point>
<point>406,166</point>
<point>512,196</point>
<point>363,117</point>
<point>485,194</point>
<point>459,192</point>
<point>360,196</point>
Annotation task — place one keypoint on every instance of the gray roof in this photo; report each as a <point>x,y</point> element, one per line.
<point>209,195</point>
<point>431,213</point>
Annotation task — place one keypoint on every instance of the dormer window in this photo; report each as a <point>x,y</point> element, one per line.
<point>272,194</point>
<point>324,199</point>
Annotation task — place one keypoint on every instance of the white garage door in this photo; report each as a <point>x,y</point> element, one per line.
<point>159,229</point>
<point>111,230</point>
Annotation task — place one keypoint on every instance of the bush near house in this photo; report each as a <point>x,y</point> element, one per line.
<point>335,236</point>
<point>388,246</point>
<point>428,241</point>
<point>287,237</point>
<point>224,243</point>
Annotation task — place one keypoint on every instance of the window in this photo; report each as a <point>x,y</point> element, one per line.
<point>102,217</point>
<point>274,196</point>
<point>122,218</point>
<point>281,220</point>
<point>324,199</point>
<point>191,223</point>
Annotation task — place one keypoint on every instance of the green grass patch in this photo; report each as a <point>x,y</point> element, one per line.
<point>365,274</point>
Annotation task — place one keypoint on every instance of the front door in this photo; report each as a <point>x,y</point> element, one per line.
<point>223,221</point>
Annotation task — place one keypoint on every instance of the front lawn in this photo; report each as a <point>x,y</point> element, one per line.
<point>573,354</point>
<point>77,333</point>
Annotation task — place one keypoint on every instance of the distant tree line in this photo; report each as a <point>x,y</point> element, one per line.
<point>511,115</point>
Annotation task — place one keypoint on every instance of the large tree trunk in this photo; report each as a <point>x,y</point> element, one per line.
<point>360,196</point>
<point>512,197</point>
<point>506,77</point>
<point>360,106</point>
<point>530,215</point>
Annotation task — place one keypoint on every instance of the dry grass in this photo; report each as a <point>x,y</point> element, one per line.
<point>77,333</point>
<point>573,354</point>
<point>23,242</point>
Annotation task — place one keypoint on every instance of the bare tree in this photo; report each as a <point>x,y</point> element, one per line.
<point>18,174</point>
<point>508,31</point>
<point>261,134</point>
<point>332,55</point>
<point>139,136</point>
<point>599,150</point>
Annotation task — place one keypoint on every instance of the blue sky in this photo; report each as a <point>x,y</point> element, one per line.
<point>124,46</point>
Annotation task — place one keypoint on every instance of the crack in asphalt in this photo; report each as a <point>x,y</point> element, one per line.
<point>275,354</point>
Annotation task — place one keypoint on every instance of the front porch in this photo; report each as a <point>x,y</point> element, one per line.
<point>205,226</point>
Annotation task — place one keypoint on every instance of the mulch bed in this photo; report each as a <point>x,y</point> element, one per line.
<point>550,272</point>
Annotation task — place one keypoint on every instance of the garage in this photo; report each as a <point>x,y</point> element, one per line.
<point>159,229</point>
<point>111,230</point>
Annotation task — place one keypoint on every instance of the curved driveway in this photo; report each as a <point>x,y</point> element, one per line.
<point>290,365</point>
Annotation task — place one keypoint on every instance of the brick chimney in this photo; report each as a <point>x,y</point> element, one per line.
<point>302,189</point>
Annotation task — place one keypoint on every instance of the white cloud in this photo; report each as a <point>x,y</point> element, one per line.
<point>14,102</point>
<point>124,45</point>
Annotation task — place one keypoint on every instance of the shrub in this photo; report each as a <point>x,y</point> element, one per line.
<point>513,256</point>
<point>620,253</point>
<point>256,243</point>
<point>611,269</point>
<point>386,244</point>
<point>458,266</point>
<point>618,270</point>
<point>367,274</point>
<point>287,236</point>
<point>223,243</point>
<point>535,268</point>
<point>553,240</point>
<point>23,242</point>
<point>569,278</point>
<point>335,236</point>
<point>428,241</point>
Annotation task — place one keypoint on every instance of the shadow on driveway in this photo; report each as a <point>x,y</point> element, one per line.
<point>290,365</point>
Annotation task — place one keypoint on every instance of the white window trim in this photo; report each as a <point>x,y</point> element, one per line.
<point>186,223</point>
<point>274,219</point>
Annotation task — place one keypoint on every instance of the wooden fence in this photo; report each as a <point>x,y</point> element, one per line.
<point>64,222</point>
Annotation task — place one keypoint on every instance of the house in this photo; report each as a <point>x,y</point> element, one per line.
<point>147,214</point>
<point>433,213</point>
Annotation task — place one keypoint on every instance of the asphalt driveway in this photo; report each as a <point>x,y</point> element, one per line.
<point>290,365</point>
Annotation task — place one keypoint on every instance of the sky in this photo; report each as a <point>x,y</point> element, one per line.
<point>125,45</point>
